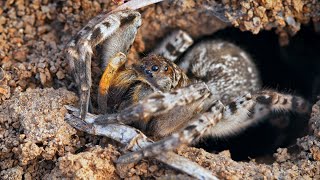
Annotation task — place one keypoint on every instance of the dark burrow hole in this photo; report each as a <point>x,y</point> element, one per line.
<point>295,69</point>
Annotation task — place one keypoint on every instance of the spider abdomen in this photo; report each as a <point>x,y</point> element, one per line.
<point>227,69</point>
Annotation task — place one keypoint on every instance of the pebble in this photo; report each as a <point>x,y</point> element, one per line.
<point>42,65</point>
<point>43,78</point>
<point>20,55</point>
<point>60,75</point>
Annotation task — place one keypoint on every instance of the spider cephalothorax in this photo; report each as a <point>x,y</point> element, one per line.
<point>160,73</point>
<point>122,86</point>
<point>157,96</point>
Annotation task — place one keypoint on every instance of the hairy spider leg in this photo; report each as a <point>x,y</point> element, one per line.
<point>108,29</point>
<point>234,117</point>
<point>156,104</point>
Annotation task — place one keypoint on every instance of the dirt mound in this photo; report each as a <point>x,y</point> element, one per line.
<point>36,142</point>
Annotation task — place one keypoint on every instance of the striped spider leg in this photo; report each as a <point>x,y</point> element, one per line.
<point>114,32</point>
<point>223,120</point>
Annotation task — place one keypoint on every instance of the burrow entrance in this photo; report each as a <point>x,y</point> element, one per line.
<point>294,68</point>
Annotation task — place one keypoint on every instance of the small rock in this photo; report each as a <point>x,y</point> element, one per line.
<point>28,29</point>
<point>60,75</point>
<point>5,92</point>
<point>42,65</point>
<point>20,55</point>
<point>2,20</point>
<point>256,21</point>
<point>43,78</point>
<point>43,29</point>
<point>282,155</point>
<point>153,168</point>
<point>29,19</point>
<point>53,69</point>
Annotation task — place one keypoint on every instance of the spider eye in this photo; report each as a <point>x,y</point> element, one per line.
<point>166,68</point>
<point>148,71</point>
<point>154,68</point>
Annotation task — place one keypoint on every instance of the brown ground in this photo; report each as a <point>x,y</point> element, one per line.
<point>36,143</point>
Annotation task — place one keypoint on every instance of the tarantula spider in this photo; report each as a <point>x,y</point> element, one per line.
<point>157,96</point>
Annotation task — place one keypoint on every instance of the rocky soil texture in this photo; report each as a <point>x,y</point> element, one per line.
<point>36,142</point>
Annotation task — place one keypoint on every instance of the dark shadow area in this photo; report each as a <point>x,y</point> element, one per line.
<point>291,69</point>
